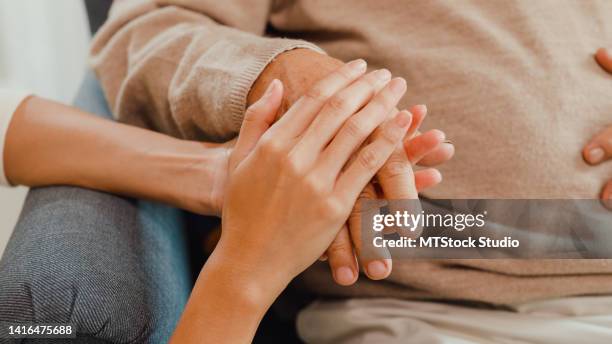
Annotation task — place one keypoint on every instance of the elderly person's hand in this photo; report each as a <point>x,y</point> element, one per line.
<point>599,149</point>
<point>298,70</point>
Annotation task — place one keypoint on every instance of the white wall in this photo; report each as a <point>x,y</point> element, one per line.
<point>43,49</point>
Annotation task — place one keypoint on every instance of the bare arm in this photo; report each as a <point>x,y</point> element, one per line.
<point>49,143</point>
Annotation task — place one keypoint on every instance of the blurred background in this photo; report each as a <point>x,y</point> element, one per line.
<point>43,49</point>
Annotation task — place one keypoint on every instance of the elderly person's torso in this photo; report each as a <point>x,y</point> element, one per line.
<point>516,88</point>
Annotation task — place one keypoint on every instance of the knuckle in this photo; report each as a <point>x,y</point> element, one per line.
<point>291,166</point>
<point>378,109</point>
<point>394,167</point>
<point>368,159</point>
<point>368,193</point>
<point>384,101</point>
<point>344,73</point>
<point>356,128</point>
<point>332,208</point>
<point>370,86</point>
<point>316,94</point>
<point>338,103</point>
<point>271,147</point>
<point>340,248</point>
<point>392,134</point>
<point>314,185</point>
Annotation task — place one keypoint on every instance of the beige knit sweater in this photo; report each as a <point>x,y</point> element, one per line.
<point>513,83</point>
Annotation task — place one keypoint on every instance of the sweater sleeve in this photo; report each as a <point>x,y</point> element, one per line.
<point>9,101</point>
<point>185,67</point>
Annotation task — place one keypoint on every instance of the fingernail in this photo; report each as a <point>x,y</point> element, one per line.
<point>403,119</point>
<point>398,85</point>
<point>596,155</point>
<point>358,65</point>
<point>270,88</point>
<point>344,275</point>
<point>377,269</point>
<point>383,74</point>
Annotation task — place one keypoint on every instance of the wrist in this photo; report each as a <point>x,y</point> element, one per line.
<point>225,305</point>
<point>197,173</point>
<point>297,69</point>
<point>252,289</point>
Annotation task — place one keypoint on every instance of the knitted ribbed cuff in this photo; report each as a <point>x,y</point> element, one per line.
<point>243,83</point>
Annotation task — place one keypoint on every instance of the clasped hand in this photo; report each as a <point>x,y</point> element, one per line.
<point>293,184</point>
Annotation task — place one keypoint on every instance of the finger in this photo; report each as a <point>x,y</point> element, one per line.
<point>342,259</point>
<point>371,158</point>
<point>443,153</point>
<point>375,261</point>
<point>418,116</point>
<point>604,58</point>
<point>600,147</point>
<point>429,148</point>
<point>398,184</point>
<point>257,119</point>
<point>336,110</point>
<point>301,114</point>
<point>420,145</point>
<point>606,195</point>
<point>396,177</point>
<point>357,128</point>
<point>427,178</point>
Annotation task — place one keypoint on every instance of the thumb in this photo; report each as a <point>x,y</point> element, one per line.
<point>257,119</point>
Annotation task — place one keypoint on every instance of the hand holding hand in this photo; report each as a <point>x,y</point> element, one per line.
<point>292,186</point>
<point>299,69</point>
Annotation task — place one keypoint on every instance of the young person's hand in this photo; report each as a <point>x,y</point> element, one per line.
<point>291,191</point>
<point>299,69</point>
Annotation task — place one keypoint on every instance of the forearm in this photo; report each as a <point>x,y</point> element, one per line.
<point>52,144</point>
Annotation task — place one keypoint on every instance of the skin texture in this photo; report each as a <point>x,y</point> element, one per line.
<point>298,70</point>
<point>300,174</point>
<point>599,149</point>
<point>48,143</point>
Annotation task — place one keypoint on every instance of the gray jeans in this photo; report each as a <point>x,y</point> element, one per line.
<point>114,267</point>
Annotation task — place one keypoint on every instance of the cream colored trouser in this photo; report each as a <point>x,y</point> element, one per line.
<point>569,320</point>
